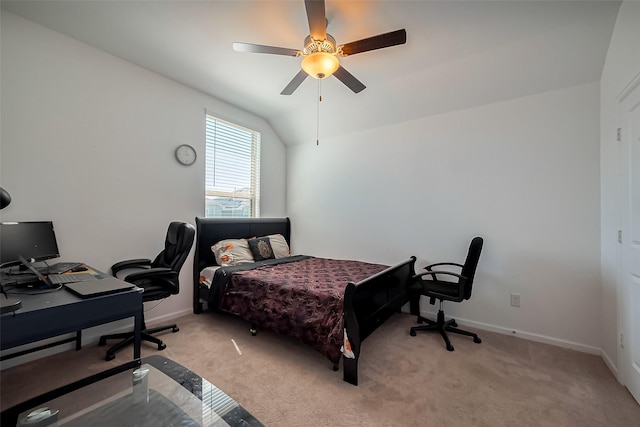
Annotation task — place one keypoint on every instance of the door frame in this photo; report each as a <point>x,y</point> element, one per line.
<point>624,303</point>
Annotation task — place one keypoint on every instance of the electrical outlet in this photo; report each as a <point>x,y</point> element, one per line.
<point>515,300</point>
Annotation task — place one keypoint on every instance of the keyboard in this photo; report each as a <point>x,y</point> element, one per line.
<point>61,267</point>
<point>59,279</point>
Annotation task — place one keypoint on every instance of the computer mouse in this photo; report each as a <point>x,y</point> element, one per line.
<point>79,268</point>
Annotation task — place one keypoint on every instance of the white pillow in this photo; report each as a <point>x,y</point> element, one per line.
<point>232,252</point>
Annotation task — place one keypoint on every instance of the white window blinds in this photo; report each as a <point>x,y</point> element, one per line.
<point>232,187</point>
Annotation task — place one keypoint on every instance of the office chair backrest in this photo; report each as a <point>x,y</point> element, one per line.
<point>470,264</point>
<point>177,245</point>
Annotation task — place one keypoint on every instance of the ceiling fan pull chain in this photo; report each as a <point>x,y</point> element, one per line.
<point>318,112</point>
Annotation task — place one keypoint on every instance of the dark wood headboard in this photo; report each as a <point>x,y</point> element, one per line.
<point>211,230</point>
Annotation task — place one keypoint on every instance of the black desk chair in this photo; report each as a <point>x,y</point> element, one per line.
<point>159,279</point>
<point>457,288</point>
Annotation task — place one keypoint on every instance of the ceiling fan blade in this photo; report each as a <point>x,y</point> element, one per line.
<point>317,19</point>
<point>258,48</point>
<point>380,41</point>
<point>293,84</point>
<point>349,80</point>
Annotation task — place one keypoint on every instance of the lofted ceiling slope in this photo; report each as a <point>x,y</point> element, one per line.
<point>459,54</point>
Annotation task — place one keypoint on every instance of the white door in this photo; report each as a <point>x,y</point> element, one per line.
<point>630,222</point>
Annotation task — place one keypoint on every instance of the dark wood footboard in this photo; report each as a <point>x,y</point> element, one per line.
<point>368,304</point>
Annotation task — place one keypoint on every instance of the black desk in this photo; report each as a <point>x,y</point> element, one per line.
<point>60,312</point>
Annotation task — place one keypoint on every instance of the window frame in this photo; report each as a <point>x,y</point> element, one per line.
<point>233,140</point>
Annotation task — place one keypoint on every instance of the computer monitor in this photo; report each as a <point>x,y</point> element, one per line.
<point>34,240</point>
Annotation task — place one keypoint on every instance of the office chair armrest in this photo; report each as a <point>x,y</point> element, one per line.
<point>152,273</point>
<point>436,272</point>
<point>130,263</point>
<point>428,267</point>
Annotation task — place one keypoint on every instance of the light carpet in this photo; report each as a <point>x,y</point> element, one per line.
<point>403,380</point>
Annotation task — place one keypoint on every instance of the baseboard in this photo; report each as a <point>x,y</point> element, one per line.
<point>168,317</point>
<point>525,335</point>
<point>612,366</point>
<point>532,337</point>
<point>92,338</point>
<point>543,339</point>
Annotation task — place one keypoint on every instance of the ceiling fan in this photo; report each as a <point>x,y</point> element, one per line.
<point>320,53</point>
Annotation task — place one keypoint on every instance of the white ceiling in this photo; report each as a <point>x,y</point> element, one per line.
<point>459,54</point>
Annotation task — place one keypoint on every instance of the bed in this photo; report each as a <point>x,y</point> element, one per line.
<point>331,305</point>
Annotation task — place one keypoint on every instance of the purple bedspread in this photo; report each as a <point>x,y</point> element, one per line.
<point>302,299</point>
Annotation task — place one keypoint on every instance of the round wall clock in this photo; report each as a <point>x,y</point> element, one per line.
<point>186,154</point>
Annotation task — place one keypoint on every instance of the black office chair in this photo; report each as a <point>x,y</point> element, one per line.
<point>457,288</point>
<point>159,279</point>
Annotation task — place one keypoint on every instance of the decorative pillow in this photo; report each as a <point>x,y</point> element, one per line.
<point>232,252</point>
<point>261,248</point>
<point>279,245</point>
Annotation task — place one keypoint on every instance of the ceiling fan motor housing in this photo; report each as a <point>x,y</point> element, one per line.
<point>327,45</point>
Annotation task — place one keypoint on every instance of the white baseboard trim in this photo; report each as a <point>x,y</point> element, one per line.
<point>535,337</point>
<point>526,335</point>
<point>92,338</point>
<point>612,366</point>
<point>169,317</point>
<point>155,321</point>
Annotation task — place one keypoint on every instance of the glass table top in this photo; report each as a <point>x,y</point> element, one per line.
<point>154,391</point>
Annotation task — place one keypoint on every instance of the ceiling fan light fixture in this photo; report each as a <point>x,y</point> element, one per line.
<point>320,54</point>
<point>320,65</point>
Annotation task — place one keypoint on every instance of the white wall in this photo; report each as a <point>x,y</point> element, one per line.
<point>523,173</point>
<point>621,66</point>
<point>88,142</point>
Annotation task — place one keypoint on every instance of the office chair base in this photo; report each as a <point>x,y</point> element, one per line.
<point>443,327</point>
<point>127,338</point>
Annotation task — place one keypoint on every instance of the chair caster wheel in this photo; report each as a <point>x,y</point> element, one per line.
<point>477,340</point>
<point>176,329</point>
<point>102,342</point>
<point>110,357</point>
<point>253,331</point>
<point>335,368</point>
<point>454,324</point>
<point>449,347</point>
<point>412,333</point>
<point>162,346</point>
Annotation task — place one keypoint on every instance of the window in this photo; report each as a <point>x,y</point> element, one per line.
<point>232,187</point>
